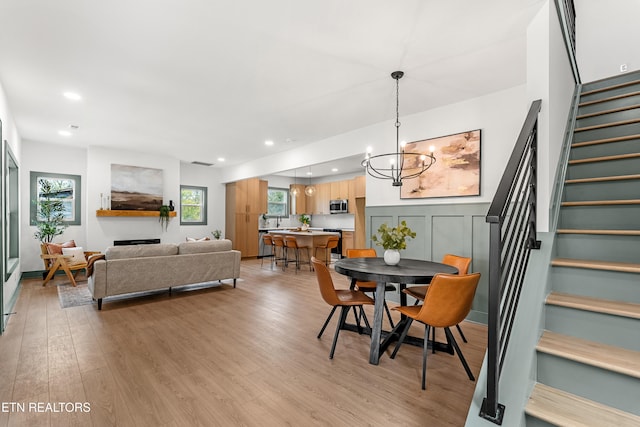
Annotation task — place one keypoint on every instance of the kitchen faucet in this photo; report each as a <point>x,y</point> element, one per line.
<point>278,221</point>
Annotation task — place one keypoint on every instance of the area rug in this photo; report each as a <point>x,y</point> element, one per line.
<point>73,296</point>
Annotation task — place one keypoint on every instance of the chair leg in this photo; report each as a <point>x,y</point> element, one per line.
<point>425,351</point>
<point>358,318</point>
<point>364,316</point>
<point>460,356</point>
<point>461,334</point>
<point>326,322</point>
<point>433,340</point>
<point>405,331</point>
<point>343,316</point>
<point>386,307</point>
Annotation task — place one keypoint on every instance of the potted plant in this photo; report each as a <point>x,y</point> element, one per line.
<point>305,220</point>
<point>164,216</point>
<point>217,234</point>
<point>50,212</point>
<point>393,239</point>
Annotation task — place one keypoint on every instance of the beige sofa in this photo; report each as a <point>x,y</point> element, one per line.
<point>127,269</point>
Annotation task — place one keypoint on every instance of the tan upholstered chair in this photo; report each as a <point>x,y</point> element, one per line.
<point>343,298</point>
<point>332,242</point>
<point>418,292</point>
<point>370,286</point>
<point>447,303</point>
<point>292,246</point>
<point>268,243</point>
<point>279,250</point>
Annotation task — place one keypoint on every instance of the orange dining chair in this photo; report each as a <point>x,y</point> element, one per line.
<point>332,242</point>
<point>370,286</point>
<point>418,292</point>
<point>447,303</point>
<point>343,298</point>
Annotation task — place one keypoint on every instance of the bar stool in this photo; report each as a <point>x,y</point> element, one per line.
<point>278,246</point>
<point>268,242</point>
<point>291,244</point>
<point>332,242</point>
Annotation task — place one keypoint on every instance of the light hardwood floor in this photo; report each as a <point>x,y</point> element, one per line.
<point>220,357</point>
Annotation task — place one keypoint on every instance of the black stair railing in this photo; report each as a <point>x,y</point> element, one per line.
<point>566,11</point>
<point>512,235</point>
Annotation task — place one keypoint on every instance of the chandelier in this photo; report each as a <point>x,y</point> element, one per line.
<point>400,165</point>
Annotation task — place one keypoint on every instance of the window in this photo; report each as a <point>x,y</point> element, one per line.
<point>193,205</point>
<point>11,214</point>
<point>60,187</point>
<point>277,201</point>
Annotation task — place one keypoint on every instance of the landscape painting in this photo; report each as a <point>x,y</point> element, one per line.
<point>456,171</point>
<point>136,188</point>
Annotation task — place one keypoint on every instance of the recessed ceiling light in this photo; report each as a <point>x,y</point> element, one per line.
<point>309,173</point>
<point>221,159</point>
<point>72,96</point>
<point>268,143</point>
<point>64,133</point>
<point>334,170</point>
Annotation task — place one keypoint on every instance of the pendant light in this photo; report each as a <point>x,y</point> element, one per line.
<point>400,165</point>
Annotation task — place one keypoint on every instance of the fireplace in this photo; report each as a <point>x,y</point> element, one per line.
<point>135,242</point>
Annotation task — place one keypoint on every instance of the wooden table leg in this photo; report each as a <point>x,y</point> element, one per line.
<point>376,331</point>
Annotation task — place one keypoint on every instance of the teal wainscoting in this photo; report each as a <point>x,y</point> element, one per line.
<point>452,228</point>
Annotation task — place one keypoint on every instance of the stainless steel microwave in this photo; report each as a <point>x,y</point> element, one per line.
<point>339,206</point>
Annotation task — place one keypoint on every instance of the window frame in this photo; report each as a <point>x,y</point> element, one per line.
<point>76,199</point>
<point>286,202</point>
<point>203,205</point>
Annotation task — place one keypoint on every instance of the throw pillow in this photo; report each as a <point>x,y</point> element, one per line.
<point>202,239</point>
<point>56,248</point>
<point>77,255</point>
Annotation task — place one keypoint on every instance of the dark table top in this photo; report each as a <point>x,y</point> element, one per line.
<point>412,271</point>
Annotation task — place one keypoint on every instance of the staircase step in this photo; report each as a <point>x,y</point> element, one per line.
<point>560,408</point>
<point>612,87</point>
<point>616,308</point>
<point>605,140</point>
<point>611,98</point>
<point>605,158</point>
<point>608,125</point>
<point>602,202</point>
<point>609,111</point>
<point>607,232</point>
<point>602,179</point>
<point>625,267</point>
<point>615,359</point>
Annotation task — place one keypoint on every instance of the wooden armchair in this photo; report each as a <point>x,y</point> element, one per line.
<point>55,262</point>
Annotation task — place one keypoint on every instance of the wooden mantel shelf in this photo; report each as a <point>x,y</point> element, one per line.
<point>109,212</point>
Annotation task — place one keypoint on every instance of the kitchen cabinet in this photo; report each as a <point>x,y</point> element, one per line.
<point>339,190</point>
<point>347,242</point>
<point>318,204</point>
<point>300,205</point>
<point>245,201</point>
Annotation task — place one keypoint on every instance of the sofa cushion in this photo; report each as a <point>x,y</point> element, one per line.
<point>141,251</point>
<point>202,247</point>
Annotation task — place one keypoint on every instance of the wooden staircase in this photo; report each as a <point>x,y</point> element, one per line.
<point>588,357</point>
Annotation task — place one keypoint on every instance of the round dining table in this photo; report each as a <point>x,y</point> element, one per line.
<point>407,271</point>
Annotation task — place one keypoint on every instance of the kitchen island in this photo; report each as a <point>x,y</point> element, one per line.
<point>311,239</point>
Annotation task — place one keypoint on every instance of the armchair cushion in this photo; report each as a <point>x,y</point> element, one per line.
<point>56,248</point>
<point>76,254</point>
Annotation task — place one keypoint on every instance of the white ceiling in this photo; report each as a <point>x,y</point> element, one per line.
<point>199,80</point>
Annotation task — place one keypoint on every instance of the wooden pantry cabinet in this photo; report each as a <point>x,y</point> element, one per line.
<point>245,201</point>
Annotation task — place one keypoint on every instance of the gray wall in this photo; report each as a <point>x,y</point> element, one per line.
<point>459,229</point>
